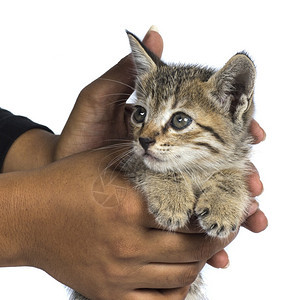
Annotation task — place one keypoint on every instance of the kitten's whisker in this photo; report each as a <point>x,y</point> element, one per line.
<point>113,146</point>
<point>125,159</point>
<point>141,86</point>
<point>116,81</point>
<point>118,157</point>
<point>119,160</point>
<point>126,140</point>
<point>118,147</point>
<point>118,142</point>
<point>119,101</point>
<point>114,94</point>
<point>115,161</point>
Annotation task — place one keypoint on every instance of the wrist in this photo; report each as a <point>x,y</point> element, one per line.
<point>33,149</point>
<point>14,221</point>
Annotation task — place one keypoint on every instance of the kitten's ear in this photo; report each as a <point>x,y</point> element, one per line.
<point>233,85</point>
<point>145,61</point>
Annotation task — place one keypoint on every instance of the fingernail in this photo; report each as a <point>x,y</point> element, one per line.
<point>265,135</point>
<point>227,265</point>
<point>153,28</point>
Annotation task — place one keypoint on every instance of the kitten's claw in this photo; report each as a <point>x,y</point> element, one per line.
<point>222,228</point>
<point>171,215</point>
<point>215,225</point>
<point>172,221</point>
<point>205,212</point>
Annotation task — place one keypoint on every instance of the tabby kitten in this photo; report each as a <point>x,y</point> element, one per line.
<point>191,143</point>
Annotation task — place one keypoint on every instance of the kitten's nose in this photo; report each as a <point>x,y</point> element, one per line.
<point>146,142</point>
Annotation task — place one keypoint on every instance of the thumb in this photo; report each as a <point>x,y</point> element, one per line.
<point>119,80</point>
<point>100,108</point>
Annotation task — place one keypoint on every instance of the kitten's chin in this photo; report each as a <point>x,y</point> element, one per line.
<point>156,164</point>
<point>153,162</point>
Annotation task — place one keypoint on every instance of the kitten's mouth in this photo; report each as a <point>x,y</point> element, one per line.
<point>151,157</point>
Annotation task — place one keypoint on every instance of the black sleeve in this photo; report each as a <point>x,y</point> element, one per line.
<point>11,127</point>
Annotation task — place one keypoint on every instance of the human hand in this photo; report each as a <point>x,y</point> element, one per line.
<point>99,118</point>
<point>100,114</point>
<point>84,225</point>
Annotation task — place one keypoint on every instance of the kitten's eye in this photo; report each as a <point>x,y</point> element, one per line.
<point>139,114</point>
<point>180,121</point>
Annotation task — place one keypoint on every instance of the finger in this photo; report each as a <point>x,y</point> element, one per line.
<point>120,78</point>
<point>153,41</point>
<point>148,221</point>
<point>254,183</point>
<point>182,247</point>
<point>257,132</point>
<point>253,208</point>
<point>178,293</point>
<point>219,260</point>
<point>256,222</point>
<point>168,276</point>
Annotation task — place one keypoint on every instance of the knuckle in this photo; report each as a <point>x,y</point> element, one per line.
<point>198,255</point>
<point>133,211</point>
<point>115,274</point>
<point>86,94</point>
<point>124,249</point>
<point>202,253</point>
<point>209,248</point>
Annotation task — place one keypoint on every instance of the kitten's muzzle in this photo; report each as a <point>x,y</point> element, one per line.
<point>146,142</point>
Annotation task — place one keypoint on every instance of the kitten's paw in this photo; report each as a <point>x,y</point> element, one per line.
<point>170,199</point>
<point>172,219</point>
<point>215,222</point>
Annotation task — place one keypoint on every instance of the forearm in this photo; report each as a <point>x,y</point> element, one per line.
<point>29,201</point>
<point>13,208</point>
<point>33,149</point>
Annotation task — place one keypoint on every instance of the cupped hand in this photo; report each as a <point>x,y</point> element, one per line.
<point>92,233</point>
<point>99,117</point>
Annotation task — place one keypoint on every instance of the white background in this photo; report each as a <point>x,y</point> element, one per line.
<point>49,50</point>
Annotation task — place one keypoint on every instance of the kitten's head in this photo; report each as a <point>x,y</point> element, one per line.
<point>190,116</point>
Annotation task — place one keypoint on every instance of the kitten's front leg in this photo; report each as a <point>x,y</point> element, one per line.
<point>170,198</point>
<point>223,202</point>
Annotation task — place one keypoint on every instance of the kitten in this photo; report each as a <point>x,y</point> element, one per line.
<point>191,143</point>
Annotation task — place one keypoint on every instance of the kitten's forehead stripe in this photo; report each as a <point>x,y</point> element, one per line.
<point>176,99</point>
<point>175,103</point>
<point>208,146</point>
<point>212,131</point>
